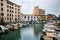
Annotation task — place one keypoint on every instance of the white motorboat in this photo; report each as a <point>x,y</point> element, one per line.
<point>14,26</point>
<point>4,29</point>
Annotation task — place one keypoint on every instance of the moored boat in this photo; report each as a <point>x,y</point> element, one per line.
<point>14,26</point>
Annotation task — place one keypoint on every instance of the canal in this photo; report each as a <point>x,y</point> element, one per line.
<point>29,32</point>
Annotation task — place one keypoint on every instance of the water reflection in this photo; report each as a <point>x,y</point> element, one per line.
<point>37,31</point>
<point>30,32</point>
<point>27,33</point>
<point>12,35</point>
<point>37,28</point>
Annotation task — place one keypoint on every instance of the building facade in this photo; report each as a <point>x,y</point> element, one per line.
<point>50,16</point>
<point>39,12</point>
<point>36,10</point>
<point>9,11</point>
<point>29,17</point>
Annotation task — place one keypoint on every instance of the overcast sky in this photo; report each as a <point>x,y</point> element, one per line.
<point>27,6</point>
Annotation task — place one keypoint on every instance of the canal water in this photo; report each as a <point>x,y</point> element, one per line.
<point>29,32</point>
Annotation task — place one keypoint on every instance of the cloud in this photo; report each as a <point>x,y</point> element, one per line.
<point>44,4</point>
<point>49,5</point>
<point>16,1</point>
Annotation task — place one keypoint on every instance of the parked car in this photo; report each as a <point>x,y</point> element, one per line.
<point>4,29</point>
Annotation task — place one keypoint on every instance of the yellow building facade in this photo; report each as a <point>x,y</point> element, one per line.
<point>39,12</point>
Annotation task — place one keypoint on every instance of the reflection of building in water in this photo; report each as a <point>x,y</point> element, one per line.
<point>12,35</point>
<point>37,28</point>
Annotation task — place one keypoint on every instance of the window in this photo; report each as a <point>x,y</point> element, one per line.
<point>7,6</point>
<point>28,16</point>
<point>18,15</point>
<point>15,18</point>
<point>12,11</point>
<point>15,15</point>
<point>1,9</point>
<point>8,2</point>
<point>7,18</point>
<point>18,12</point>
<point>15,12</point>
<point>1,4</point>
<point>2,19</point>
<point>7,10</point>
<point>12,25</point>
<point>2,14</point>
<point>7,14</point>
<point>10,14</point>
<point>24,16</point>
<point>18,9</point>
<point>12,8</point>
<point>1,0</point>
<point>12,4</point>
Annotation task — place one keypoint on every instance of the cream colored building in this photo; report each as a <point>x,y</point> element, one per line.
<point>9,11</point>
<point>39,12</point>
<point>29,17</point>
